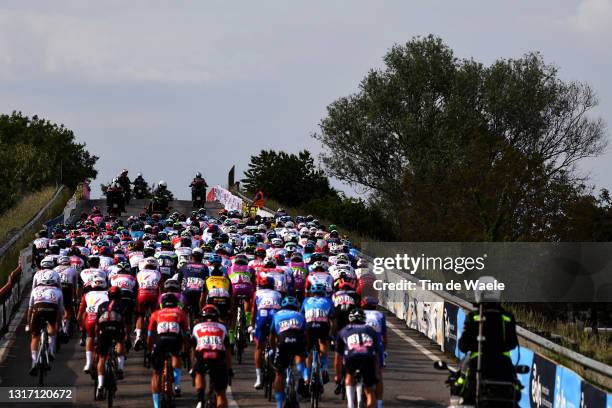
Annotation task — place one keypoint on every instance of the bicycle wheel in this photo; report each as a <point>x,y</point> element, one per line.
<point>238,341</point>
<point>43,360</point>
<point>315,379</point>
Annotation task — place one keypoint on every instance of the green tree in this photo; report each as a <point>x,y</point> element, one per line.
<point>289,178</point>
<point>454,150</point>
<point>35,153</point>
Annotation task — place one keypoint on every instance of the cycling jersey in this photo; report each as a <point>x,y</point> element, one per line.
<point>323,278</point>
<point>47,295</point>
<point>267,302</point>
<point>360,340</point>
<point>318,311</point>
<point>241,279</point>
<point>39,275</point>
<point>377,321</point>
<point>280,279</point>
<point>89,305</point>
<point>88,275</point>
<point>167,263</point>
<point>135,257</point>
<point>192,277</point>
<point>211,339</point>
<point>168,322</point>
<point>126,282</point>
<point>148,288</point>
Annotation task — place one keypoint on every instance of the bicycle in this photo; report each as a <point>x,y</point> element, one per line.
<point>315,380</point>
<point>167,383</point>
<point>110,375</point>
<point>359,389</point>
<point>268,372</point>
<point>292,399</point>
<point>240,341</point>
<point>42,362</point>
<point>145,324</point>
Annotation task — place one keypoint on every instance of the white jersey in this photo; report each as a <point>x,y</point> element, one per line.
<point>183,253</point>
<point>148,279</point>
<point>336,270</point>
<point>47,294</point>
<point>88,275</point>
<point>68,275</point>
<point>124,281</point>
<point>135,258</point>
<point>38,276</point>
<point>377,321</point>
<point>106,262</point>
<point>94,299</point>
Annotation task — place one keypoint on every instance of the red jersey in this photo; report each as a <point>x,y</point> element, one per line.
<point>167,321</point>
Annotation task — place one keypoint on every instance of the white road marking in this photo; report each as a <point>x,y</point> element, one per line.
<point>412,342</point>
<point>230,398</point>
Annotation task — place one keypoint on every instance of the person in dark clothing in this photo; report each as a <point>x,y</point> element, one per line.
<point>125,183</point>
<point>499,339</point>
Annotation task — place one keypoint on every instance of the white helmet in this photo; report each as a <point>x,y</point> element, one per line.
<point>320,234</point>
<point>139,175</point>
<point>47,263</point>
<point>98,283</point>
<point>49,279</point>
<point>63,260</point>
<point>289,224</point>
<point>162,183</point>
<point>486,295</point>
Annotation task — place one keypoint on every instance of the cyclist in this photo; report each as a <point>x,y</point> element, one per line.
<point>211,343</point>
<point>191,278</point>
<point>319,275</point>
<point>287,333</point>
<point>360,347</point>
<point>266,301</point>
<point>345,299</point>
<point>168,260</point>
<point>376,319</point>
<point>148,280</point>
<point>300,273</point>
<point>69,280</point>
<point>241,278</point>
<point>39,246</point>
<point>110,326</point>
<point>318,310</point>
<point>46,306</point>
<point>170,328</point>
<point>217,289</point>
<point>126,282</point>
<point>47,266</point>
<point>94,295</point>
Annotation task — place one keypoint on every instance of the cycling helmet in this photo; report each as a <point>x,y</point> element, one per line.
<point>49,279</point>
<point>357,316</point>
<point>318,289</point>
<point>369,303</point>
<point>162,183</point>
<point>47,263</point>
<point>210,313</point>
<point>169,300</point>
<point>319,266</point>
<point>215,258</point>
<point>362,263</point>
<point>269,262</point>
<point>63,260</point>
<point>166,245</point>
<point>197,254</point>
<point>345,284</point>
<point>172,285</point>
<point>277,242</point>
<point>124,267</point>
<point>309,248</point>
<point>290,303</point>
<point>98,283</point>
<point>150,263</point>
<point>279,258</point>
<point>241,259</point>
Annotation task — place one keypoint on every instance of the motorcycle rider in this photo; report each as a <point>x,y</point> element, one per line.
<point>198,187</point>
<point>125,183</point>
<point>115,194</point>
<point>140,184</point>
<point>499,332</point>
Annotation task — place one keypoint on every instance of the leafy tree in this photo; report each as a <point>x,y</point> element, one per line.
<point>35,153</point>
<point>454,150</point>
<point>289,178</point>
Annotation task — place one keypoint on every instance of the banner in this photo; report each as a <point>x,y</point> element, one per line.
<point>225,197</point>
<point>450,327</point>
<point>542,382</point>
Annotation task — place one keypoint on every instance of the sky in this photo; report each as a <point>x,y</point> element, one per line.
<point>168,88</point>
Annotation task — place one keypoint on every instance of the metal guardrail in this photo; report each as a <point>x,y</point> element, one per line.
<point>589,368</point>
<point>10,297</point>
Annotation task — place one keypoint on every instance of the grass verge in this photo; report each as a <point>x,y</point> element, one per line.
<point>10,259</point>
<point>17,216</point>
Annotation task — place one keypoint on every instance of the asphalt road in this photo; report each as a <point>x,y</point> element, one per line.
<point>410,380</point>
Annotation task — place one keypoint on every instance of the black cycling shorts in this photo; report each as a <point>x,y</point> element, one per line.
<point>165,344</point>
<point>319,332</point>
<point>106,333</point>
<point>367,365</point>
<point>216,367</point>
<point>289,345</point>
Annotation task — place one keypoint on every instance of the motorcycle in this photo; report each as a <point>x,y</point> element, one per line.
<point>114,204</point>
<point>198,194</point>
<point>139,191</point>
<point>498,394</point>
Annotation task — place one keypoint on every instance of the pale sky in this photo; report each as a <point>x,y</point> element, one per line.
<point>171,87</point>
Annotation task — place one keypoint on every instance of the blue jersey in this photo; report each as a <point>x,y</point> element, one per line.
<point>286,320</point>
<point>360,340</point>
<point>318,310</point>
<point>192,277</point>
